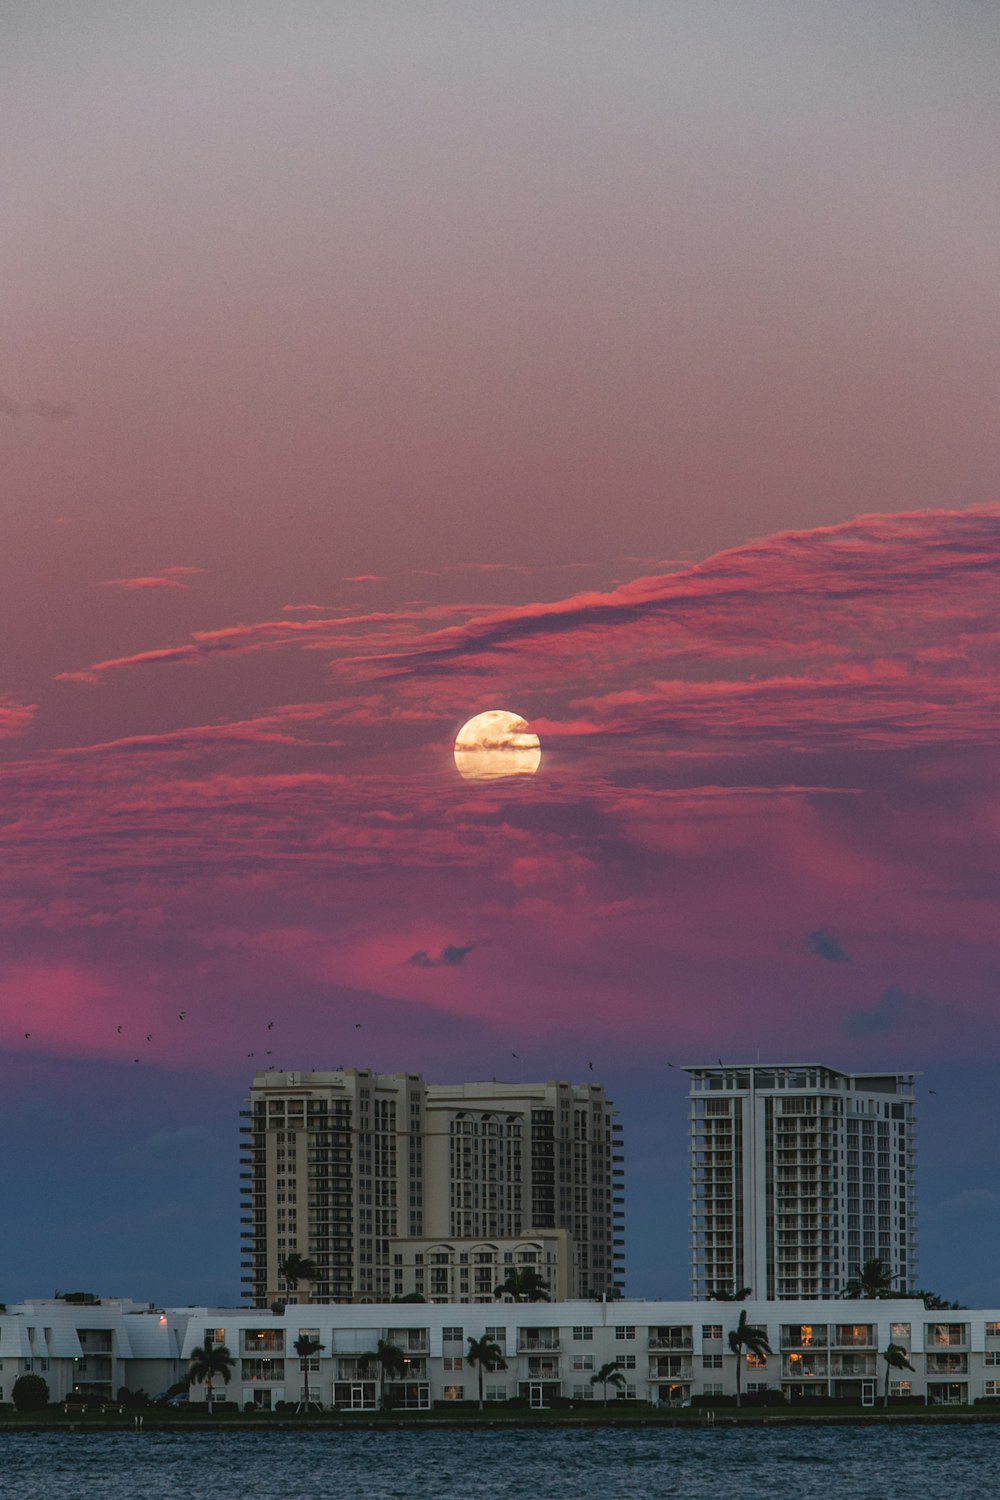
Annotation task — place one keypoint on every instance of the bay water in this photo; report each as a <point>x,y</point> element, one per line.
<point>960,1462</point>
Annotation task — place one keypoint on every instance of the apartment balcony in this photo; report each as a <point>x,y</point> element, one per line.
<point>410,1340</point>
<point>853,1365</point>
<point>854,1336</point>
<point>538,1368</point>
<point>947,1364</point>
<point>529,1343</point>
<point>668,1339</point>
<point>671,1369</point>
<point>805,1366</point>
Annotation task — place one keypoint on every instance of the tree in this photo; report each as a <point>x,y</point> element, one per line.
<point>30,1393</point>
<point>305,1347</point>
<point>933,1302</point>
<point>485,1354</point>
<point>386,1359</point>
<point>609,1374</point>
<point>895,1359</point>
<point>207,1361</point>
<point>524,1284</point>
<point>411,1297</point>
<point>725,1294</point>
<point>873,1279</point>
<point>294,1268</point>
<point>753,1340</point>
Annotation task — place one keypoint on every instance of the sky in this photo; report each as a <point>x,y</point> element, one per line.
<point>629,366</point>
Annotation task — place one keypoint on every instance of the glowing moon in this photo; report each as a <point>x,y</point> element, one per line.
<point>495,744</point>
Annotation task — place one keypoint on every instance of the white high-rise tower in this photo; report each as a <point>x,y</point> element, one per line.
<point>799,1175</point>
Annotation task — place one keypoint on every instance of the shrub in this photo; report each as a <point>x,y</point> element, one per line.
<point>30,1393</point>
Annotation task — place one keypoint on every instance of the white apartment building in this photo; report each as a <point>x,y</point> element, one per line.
<point>668,1352</point>
<point>343,1167</point>
<point>800,1174</point>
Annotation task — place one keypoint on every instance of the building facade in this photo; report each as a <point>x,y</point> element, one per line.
<point>799,1175</point>
<point>669,1352</point>
<point>343,1167</point>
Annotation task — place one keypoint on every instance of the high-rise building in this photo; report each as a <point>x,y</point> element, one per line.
<point>339,1167</point>
<point>800,1174</point>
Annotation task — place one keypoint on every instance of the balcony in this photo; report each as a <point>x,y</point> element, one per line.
<point>538,1341</point>
<point>854,1336</point>
<point>852,1365</point>
<point>671,1338</point>
<point>806,1366</point>
<point>410,1340</point>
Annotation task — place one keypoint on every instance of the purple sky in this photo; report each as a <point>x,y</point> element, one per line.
<point>630,366</point>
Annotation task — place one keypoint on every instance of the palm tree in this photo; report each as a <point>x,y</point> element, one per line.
<point>524,1284</point>
<point>737,1294</point>
<point>895,1359</point>
<point>207,1361</point>
<point>485,1354</point>
<point>753,1340</point>
<point>609,1374</point>
<point>305,1347</point>
<point>932,1301</point>
<point>385,1359</point>
<point>873,1279</point>
<point>293,1268</point>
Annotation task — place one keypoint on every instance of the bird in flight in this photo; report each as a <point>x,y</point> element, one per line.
<point>149,1036</point>
<point>27,1033</point>
<point>181,1014</point>
<point>119,1030</point>
<point>357,1025</point>
<point>590,1066</point>
<point>270,1025</point>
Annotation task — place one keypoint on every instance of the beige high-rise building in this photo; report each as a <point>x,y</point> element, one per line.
<point>337,1166</point>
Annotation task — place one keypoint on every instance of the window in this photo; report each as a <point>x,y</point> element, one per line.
<point>901,1388</point>
<point>582,1335</point>
<point>712,1388</point>
<point>712,1361</point>
<point>262,1369</point>
<point>945,1333</point>
<point>992,1357</point>
<point>711,1330</point>
<point>583,1393</point>
<point>624,1331</point>
<point>495,1393</point>
<point>756,1362</point>
<point>993,1330</point>
<point>582,1362</point>
<point>453,1362</point>
<point>215,1335</point>
<point>992,1388</point>
<point>756,1385</point>
<point>451,1335</point>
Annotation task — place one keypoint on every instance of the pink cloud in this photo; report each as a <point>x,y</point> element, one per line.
<point>166,578</point>
<point>15,717</point>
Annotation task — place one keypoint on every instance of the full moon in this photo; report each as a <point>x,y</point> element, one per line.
<point>495,744</point>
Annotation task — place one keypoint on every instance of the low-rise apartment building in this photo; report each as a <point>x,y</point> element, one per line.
<point>667,1352</point>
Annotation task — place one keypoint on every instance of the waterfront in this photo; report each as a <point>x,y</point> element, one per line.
<point>854,1463</point>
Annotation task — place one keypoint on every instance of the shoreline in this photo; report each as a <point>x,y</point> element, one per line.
<point>242,1422</point>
